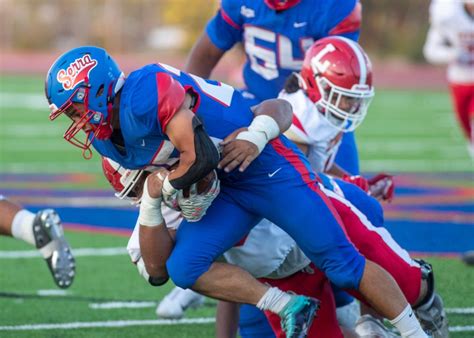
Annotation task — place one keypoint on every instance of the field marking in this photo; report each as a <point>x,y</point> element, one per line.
<point>52,292</point>
<point>20,100</point>
<point>125,323</point>
<point>122,305</point>
<point>460,310</point>
<point>112,323</point>
<point>80,252</point>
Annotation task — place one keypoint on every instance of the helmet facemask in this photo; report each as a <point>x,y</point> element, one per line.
<point>78,105</point>
<point>132,190</point>
<point>345,109</point>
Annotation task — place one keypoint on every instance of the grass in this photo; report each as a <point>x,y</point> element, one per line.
<point>405,131</point>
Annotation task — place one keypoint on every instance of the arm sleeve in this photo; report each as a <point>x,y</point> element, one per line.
<point>345,20</point>
<point>225,28</point>
<point>171,96</point>
<point>438,48</point>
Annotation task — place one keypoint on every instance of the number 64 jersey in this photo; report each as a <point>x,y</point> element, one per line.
<point>275,41</point>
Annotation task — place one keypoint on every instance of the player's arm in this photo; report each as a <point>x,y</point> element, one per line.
<point>222,32</point>
<point>349,25</point>
<point>240,148</point>
<point>438,49</point>
<point>156,243</point>
<point>203,58</point>
<point>227,319</point>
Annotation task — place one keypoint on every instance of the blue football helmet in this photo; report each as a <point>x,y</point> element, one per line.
<point>82,83</point>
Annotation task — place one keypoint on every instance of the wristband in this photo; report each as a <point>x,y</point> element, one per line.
<point>167,188</point>
<point>150,209</point>
<point>262,129</point>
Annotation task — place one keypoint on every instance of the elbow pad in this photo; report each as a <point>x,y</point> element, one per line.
<point>207,158</point>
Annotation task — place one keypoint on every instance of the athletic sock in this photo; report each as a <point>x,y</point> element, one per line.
<point>22,226</point>
<point>274,300</point>
<point>408,325</point>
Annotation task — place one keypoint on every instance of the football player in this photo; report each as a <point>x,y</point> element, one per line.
<point>268,252</point>
<point>275,35</point>
<point>158,110</point>
<point>451,40</point>
<point>330,97</point>
<point>44,231</point>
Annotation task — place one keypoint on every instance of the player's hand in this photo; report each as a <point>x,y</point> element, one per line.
<point>382,187</point>
<point>237,153</point>
<point>154,182</point>
<point>358,180</point>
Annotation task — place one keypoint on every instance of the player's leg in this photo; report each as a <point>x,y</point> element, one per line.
<point>198,245</point>
<point>463,97</point>
<point>44,231</point>
<point>414,278</point>
<point>347,156</point>
<point>254,324</point>
<point>311,282</point>
<point>299,207</point>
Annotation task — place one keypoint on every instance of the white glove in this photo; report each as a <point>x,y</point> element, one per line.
<point>194,207</point>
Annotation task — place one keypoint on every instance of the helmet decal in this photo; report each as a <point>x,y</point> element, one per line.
<point>76,72</point>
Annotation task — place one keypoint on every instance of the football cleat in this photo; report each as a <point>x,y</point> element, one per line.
<point>433,320</point>
<point>370,327</point>
<point>298,315</point>
<point>49,238</point>
<point>175,304</point>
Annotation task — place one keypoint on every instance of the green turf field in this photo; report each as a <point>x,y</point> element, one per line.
<point>103,279</point>
<point>405,131</point>
<point>413,131</point>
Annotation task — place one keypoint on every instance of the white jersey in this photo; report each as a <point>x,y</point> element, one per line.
<point>451,39</point>
<point>267,251</point>
<point>310,127</point>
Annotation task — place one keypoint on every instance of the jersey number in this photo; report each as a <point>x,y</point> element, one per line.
<point>219,92</point>
<point>264,61</point>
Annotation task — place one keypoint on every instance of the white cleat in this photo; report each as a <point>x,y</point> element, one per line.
<point>370,327</point>
<point>177,302</point>
<point>49,238</point>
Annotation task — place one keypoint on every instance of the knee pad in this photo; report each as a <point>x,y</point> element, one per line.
<point>428,276</point>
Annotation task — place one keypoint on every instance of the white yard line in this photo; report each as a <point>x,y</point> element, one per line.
<point>461,310</point>
<point>122,305</point>
<point>158,322</point>
<point>78,252</point>
<point>22,100</point>
<point>112,323</point>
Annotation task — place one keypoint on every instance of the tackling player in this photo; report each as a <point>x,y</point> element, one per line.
<point>44,231</point>
<point>268,252</point>
<point>451,40</point>
<point>152,112</point>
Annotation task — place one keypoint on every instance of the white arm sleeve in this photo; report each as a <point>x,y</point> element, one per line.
<point>438,49</point>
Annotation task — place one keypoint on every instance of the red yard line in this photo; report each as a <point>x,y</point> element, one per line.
<point>97,229</point>
<point>432,216</point>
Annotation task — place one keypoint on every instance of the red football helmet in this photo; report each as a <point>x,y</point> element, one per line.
<point>281,5</point>
<point>337,76</point>
<point>124,181</point>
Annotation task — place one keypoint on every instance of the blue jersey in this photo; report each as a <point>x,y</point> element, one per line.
<point>149,99</point>
<point>275,42</point>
